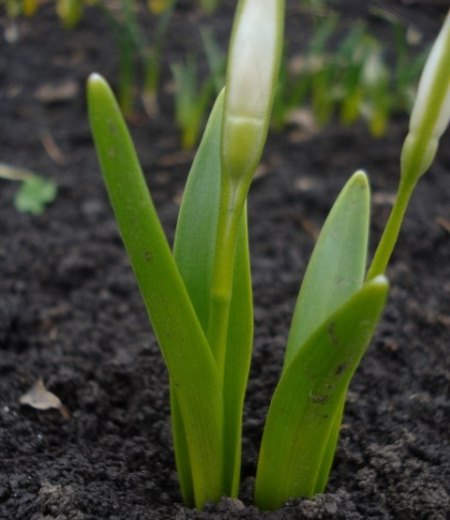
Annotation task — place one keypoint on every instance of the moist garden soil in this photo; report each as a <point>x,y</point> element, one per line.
<point>70,312</point>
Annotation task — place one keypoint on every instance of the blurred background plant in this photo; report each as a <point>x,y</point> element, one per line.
<point>15,8</point>
<point>35,191</point>
<point>193,100</point>
<point>344,73</point>
<point>135,49</point>
<point>70,12</point>
<point>350,75</point>
<point>209,5</point>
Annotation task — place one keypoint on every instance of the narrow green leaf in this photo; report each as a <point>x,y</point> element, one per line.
<point>337,265</point>
<point>195,235</point>
<point>308,396</point>
<point>186,351</point>
<point>194,251</point>
<point>181,450</point>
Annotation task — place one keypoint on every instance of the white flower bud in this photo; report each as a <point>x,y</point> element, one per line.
<point>431,112</point>
<point>252,73</point>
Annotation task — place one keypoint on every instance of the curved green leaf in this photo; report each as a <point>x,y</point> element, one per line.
<point>195,235</point>
<point>308,396</point>
<point>184,346</point>
<point>193,252</point>
<point>335,271</point>
<point>337,265</point>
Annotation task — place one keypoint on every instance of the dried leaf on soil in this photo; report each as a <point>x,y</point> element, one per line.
<point>39,398</point>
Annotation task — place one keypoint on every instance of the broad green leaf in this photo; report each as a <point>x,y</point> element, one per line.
<point>337,265</point>
<point>335,271</point>
<point>184,346</point>
<point>194,251</point>
<point>309,395</point>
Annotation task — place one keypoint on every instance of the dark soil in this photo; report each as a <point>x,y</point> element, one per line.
<point>70,311</point>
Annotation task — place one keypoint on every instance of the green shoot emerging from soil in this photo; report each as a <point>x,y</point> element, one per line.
<point>198,295</point>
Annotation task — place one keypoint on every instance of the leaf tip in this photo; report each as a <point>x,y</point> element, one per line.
<point>97,86</point>
<point>95,79</point>
<point>360,179</point>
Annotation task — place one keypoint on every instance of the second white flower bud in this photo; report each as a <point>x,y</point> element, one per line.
<point>431,112</point>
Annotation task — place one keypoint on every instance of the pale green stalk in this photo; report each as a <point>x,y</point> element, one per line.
<point>392,230</point>
<point>429,118</point>
<point>232,200</point>
<point>254,59</point>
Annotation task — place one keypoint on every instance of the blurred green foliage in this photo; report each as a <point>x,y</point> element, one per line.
<point>345,73</point>
<point>35,191</point>
<point>349,76</point>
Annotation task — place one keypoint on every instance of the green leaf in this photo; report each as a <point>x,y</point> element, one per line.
<point>330,446</point>
<point>335,271</point>
<point>309,395</point>
<point>337,265</point>
<point>34,194</point>
<point>185,349</point>
<point>195,235</point>
<point>194,251</point>
<point>194,254</point>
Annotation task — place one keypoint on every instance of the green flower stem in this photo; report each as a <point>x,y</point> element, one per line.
<point>431,111</point>
<point>232,200</point>
<point>392,229</point>
<point>428,121</point>
<point>231,207</point>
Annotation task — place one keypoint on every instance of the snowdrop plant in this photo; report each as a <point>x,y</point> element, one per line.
<point>198,294</point>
